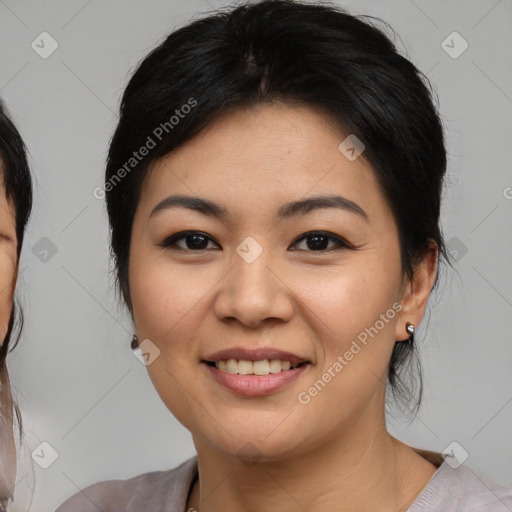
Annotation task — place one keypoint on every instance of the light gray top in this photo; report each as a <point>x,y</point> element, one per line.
<point>448,490</point>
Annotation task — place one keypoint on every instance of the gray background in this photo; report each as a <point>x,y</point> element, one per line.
<point>79,386</point>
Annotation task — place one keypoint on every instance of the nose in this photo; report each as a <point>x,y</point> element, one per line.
<point>254,293</point>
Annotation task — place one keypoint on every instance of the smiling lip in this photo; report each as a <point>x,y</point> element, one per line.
<point>255,355</point>
<point>255,385</point>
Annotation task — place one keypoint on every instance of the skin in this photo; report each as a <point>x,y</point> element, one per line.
<point>8,274</point>
<point>314,303</point>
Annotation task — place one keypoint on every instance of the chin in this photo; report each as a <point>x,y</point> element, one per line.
<point>253,444</point>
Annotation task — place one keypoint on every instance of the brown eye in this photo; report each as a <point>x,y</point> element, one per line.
<point>319,241</point>
<point>193,241</point>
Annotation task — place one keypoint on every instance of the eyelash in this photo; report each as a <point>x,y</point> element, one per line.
<point>170,242</point>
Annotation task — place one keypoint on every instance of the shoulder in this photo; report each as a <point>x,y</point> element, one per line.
<point>165,491</point>
<point>460,489</point>
<point>479,494</point>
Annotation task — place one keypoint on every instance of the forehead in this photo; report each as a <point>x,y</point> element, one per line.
<point>267,154</point>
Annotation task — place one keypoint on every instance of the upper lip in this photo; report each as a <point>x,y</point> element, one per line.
<point>255,355</point>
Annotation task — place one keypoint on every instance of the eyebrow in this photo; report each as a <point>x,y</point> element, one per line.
<point>300,207</point>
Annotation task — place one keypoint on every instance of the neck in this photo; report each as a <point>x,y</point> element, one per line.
<point>364,469</point>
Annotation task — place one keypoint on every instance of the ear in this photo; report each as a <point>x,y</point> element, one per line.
<point>415,293</point>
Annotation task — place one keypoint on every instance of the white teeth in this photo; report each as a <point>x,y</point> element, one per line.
<point>275,366</point>
<point>231,366</point>
<point>261,367</point>
<point>244,367</point>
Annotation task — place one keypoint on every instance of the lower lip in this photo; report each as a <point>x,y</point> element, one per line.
<point>256,385</point>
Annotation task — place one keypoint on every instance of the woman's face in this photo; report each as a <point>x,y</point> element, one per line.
<point>8,272</point>
<point>253,279</point>
<point>8,262</point>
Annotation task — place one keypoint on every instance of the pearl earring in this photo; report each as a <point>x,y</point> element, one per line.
<point>409,328</point>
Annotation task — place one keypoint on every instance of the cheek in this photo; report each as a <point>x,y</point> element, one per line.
<point>349,298</point>
<point>166,297</point>
<point>167,310</point>
<point>353,312</point>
